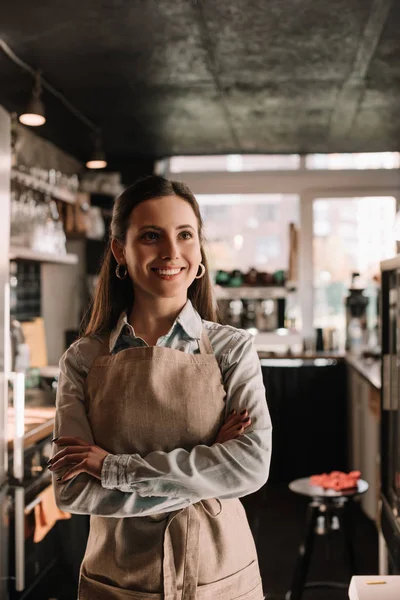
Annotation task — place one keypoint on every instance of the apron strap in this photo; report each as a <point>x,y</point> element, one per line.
<point>169,571</point>
<point>191,564</point>
<point>190,561</point>
<point>205,344</point>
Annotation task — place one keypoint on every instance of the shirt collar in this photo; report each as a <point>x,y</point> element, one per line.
<point>189,319</point>
<point>116,332</point>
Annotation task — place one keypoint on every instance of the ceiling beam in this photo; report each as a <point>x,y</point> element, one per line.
<point>352,91</point>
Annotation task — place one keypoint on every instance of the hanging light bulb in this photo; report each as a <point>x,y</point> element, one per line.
<point>98,158</point>
<point>34,116</point>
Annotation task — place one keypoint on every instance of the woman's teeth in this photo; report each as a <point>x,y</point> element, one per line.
<point>167,271</point>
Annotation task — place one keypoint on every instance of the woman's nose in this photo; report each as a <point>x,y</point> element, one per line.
<point>169,249</point>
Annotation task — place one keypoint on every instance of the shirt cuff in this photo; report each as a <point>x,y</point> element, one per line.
<point>110,472</point>
<point>114,475</point>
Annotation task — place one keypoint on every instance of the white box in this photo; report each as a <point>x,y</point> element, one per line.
<point>375,587</point>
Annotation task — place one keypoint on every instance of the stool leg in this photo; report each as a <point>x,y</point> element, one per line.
<point>346,517</point>
<point>304,555</point>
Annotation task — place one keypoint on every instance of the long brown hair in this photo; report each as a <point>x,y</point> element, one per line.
<point>113,295</point>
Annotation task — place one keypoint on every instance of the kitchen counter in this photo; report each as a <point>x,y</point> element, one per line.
<point>340,356</point>
<point>38,424</point>
<point>369,368</point>
<point>39,417</point>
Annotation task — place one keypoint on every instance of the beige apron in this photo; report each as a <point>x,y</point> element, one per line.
<point>153,398</point>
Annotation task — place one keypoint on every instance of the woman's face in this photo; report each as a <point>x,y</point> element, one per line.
<point>162,249</point>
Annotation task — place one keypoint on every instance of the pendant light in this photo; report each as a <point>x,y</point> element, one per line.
<point>34,115</point>
<point>98,158</point>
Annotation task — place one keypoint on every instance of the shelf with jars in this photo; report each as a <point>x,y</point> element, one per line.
<point>20,253</point>
<point>253,285</point>
<point>249,292</point>
<point>52,183</point>
<point>37,230</point>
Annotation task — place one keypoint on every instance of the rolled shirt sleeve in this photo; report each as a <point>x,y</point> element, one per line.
<point>84,494</point>
<point>230,470</point>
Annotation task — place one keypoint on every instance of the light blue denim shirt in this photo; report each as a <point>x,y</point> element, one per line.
<point>133,485</point>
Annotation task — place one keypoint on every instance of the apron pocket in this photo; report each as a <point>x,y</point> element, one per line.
<point>243,585</point>
<point>91,589</point>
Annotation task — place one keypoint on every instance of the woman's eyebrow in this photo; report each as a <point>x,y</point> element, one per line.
<point>160,228</point>
<point>150,227</point>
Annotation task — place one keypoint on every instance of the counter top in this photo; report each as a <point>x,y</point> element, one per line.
<point>39,416</point>
<point>369,368</point>
<point>302,356</point>
<point>38,424</point>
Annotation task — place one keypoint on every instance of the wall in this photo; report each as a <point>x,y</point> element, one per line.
<point>31,150</point>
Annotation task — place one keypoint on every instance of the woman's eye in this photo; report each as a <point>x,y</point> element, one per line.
<point>150,236</point>
<point>186,235</point>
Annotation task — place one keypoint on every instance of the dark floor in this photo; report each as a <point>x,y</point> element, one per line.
<point>277,518</point>
<point>278,528</point>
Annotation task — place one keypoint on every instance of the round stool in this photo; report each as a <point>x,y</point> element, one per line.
<point>327,511</point>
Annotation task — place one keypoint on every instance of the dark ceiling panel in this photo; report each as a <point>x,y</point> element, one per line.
<point>164,77</point>
<point>258,41</point>
<point>385,64</point>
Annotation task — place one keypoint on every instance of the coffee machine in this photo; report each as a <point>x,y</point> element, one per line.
<point>356,315</point>
<point>253,313</point>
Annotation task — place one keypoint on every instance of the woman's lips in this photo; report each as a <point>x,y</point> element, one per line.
<point>168,274</point>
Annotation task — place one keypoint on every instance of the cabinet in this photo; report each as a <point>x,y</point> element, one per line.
<point>364,437</point>
<point>307,403</point>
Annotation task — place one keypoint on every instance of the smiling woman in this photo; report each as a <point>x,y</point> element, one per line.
<point>162,256</point>
<point>152,220</point>
<point>161,417</point>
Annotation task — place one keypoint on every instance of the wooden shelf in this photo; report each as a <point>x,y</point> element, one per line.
<point>50,371</point>
<point>34,183</point>
<point>16,253</point>
<point>251,293</point>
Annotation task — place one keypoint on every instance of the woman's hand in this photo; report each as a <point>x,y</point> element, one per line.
<point>79,455</point>
<point>234,426</point>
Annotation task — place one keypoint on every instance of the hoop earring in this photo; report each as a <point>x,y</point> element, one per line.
<point>118,271</point>
<point>203,270</point>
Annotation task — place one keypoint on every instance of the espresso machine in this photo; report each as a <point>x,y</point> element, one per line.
<point>261,314</point>
<point>356,313</point>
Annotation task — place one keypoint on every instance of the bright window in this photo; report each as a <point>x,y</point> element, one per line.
<point>234,162</point>
<point>251,230</point>
<point>361,160</point>
<point>350,235</point>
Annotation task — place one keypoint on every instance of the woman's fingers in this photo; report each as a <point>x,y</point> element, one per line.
<point>67,460</point>
<point>86,458</point>
<point>232,431</point>
<point>235,418</point>
<point>67,450</point>
<point>73,472</point>
<point>238,427</point>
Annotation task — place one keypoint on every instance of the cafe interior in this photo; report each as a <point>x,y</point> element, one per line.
<point>283,118</point>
